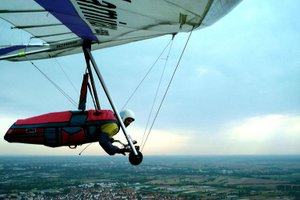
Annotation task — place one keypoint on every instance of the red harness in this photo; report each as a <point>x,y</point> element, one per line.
<point>68,128</point>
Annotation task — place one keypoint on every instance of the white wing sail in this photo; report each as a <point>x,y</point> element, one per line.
<point>63,25</point>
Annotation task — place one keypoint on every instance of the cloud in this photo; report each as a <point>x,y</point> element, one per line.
<point>160,141</point>
<point>262,128</point>
<point>265,134</point>
<point>269,134</point>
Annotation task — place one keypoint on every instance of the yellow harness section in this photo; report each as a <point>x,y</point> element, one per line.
<point>111,129</point>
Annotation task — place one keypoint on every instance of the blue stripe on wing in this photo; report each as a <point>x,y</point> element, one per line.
<point>65,12</point>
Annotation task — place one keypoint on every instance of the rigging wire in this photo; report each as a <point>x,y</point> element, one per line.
<point>157,90</point>
<point>55,85</point>
<point>168,87</point>
<point>145,76</point>
<point>85,148</point>
<point>67,77</point>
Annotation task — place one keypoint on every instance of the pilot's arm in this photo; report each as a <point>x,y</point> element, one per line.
<point>106,138</point>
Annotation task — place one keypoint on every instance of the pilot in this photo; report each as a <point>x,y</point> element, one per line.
<point>111,129</point>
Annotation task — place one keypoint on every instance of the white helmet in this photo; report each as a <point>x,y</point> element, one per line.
<point>127,114</point>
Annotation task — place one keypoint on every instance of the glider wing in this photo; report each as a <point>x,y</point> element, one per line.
<point>63,25</point>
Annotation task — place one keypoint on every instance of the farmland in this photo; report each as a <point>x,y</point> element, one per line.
<point>175,177</point>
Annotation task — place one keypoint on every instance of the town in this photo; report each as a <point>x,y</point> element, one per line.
<point>160,177</point>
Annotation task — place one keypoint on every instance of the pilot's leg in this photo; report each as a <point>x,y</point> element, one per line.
<point>106,144</point>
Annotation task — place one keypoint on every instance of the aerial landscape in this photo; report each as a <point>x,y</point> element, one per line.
<point>158,177</point>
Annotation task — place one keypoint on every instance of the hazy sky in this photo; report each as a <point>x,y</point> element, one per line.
<point>236,91</point>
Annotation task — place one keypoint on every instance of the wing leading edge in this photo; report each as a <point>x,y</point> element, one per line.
<point>63,25</point>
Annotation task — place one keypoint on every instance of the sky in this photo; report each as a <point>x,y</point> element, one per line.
<point>236,90</point>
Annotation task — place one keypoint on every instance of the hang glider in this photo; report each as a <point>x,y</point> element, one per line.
<point>67,27</point>
<point>64,25</point>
